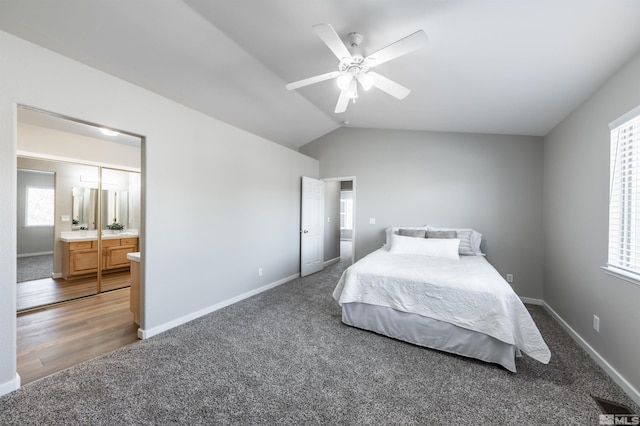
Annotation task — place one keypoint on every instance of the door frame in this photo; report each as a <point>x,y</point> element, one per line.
<point>141,170</point>
<point>353,233</point>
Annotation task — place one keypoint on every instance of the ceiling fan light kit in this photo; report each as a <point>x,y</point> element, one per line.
<point>353,69</point>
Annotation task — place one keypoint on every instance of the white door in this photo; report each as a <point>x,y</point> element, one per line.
<point>312,226</point>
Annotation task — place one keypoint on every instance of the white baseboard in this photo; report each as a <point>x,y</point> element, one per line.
<point>608,368</point>
<point>10,386</point>
<point>55,275</point>
<point>147,333</point>
<point>332,261</point>
<point>35,254</point>
<point>532,301</point>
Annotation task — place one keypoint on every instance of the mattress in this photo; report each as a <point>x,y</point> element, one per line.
<point>467,293</point>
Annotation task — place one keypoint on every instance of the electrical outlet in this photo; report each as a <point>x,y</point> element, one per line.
<point>509,278</point>
<point>260,271</point>
<point>596,323</point>
<point>372,221</point>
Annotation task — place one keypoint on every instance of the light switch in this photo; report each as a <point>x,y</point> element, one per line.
<point>65,218</point>
<point>372,221</point>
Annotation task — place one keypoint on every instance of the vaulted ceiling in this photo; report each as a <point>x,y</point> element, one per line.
<point>490,66</point>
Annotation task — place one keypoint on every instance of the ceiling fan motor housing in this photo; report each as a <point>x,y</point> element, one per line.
<point>355,39</point>
<point>356,64</point>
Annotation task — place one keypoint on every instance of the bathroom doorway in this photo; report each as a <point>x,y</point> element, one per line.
<point>84,307</point>
<point>90,196</point>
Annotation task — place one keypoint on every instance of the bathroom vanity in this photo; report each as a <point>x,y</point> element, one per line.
<point>80,252</point>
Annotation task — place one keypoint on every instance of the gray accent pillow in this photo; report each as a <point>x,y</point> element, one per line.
<point>420,233</point>
<point>441,234</point>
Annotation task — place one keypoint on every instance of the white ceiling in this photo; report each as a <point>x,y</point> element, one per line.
<point>491,66</point>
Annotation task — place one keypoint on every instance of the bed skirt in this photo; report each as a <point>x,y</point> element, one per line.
<point>430,333</point>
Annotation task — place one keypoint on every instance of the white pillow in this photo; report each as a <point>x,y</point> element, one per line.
<point>435,247</point>
<point>470,239</point>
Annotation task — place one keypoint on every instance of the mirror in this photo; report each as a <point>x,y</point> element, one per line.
<point>84,209</point>
<point>115,209</point>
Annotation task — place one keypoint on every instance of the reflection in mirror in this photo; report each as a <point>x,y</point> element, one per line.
<point>84,209</point>
<point>76,255</point>
<point>120,211</point>
<point>120,200</point>
<point>115,209</point>
<point>53,288</point>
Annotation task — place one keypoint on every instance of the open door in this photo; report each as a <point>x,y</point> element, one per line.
<point>312,226</point>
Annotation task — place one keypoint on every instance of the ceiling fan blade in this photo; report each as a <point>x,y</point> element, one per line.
<point>389,86</point>
<point>312,80</point>
<point>343,102</point>
<point>332,40</point>
<point>397,49</point>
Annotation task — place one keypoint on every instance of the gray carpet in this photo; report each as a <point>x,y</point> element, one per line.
<point>284,357</point>
<point>34,267</point>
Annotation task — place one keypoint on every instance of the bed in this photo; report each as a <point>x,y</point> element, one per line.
<point>433,287</point>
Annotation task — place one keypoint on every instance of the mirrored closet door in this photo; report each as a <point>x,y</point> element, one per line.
<point>78,225</point>
<point>119,221</point>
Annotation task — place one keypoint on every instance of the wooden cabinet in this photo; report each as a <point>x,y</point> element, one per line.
<point>83,258</point>
<point>80,258</point>
<point>114,252</point>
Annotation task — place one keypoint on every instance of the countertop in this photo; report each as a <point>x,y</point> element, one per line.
<point>73,236</point>
<point>134,257</point>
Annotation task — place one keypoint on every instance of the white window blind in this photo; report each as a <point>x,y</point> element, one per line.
<point>346,213</point>
<point>624,196</point>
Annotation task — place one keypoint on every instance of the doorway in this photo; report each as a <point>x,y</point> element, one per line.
<point>84,197</point>
<point>340,234</point>
<point>97,216</point>
<point>347,207</point>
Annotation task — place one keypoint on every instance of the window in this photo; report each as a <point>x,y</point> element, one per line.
<point>346,213</point>
<point>40,206</point>
<point>624,196</point>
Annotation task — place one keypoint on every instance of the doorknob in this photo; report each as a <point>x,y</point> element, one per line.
<point>305,231</point>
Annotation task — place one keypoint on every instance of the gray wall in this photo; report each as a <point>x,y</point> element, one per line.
<point>218,202</point>
<point>491,183</point>
<point>38,239</point>
<point>332,220</point>
<point>576,195</point>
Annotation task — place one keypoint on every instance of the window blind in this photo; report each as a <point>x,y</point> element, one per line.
<point>624,196</point>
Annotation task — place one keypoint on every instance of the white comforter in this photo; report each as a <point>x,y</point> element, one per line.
<point>468,293</point>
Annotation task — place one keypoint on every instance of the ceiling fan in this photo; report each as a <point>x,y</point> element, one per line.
<point>353,69</point>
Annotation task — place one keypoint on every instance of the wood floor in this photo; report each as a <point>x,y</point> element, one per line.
<point>61,336</point>
<point>32,294</point>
